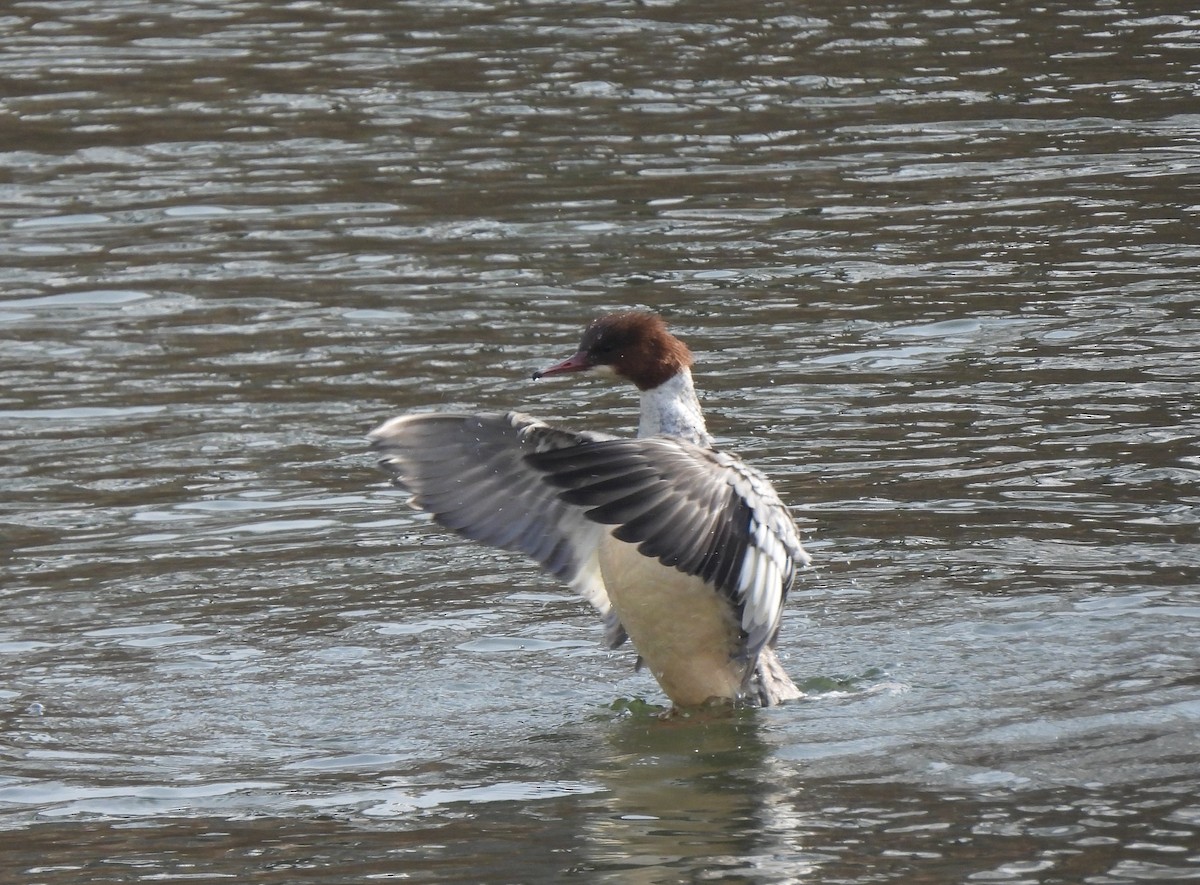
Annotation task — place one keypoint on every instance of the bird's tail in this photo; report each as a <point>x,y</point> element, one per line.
<point>771,680</point>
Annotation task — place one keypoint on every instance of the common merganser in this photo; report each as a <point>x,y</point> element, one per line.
<point>683,549</point>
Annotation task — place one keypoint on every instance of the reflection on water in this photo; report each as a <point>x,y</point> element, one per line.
<point>938,263</point>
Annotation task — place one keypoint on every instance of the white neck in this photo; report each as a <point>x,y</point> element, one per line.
<point>671,409</point>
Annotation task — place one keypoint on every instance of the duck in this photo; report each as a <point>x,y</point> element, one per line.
<point>683,549</point>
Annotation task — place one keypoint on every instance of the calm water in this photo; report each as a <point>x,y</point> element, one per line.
<point>939,265</point>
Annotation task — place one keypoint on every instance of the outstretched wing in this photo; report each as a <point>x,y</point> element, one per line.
<point>702,511</point>
<point>471,472</point>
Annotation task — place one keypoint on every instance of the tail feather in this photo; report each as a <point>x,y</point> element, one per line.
<point>771,680</point>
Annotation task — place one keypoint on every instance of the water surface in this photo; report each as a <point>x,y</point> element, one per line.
<point>938,264</point>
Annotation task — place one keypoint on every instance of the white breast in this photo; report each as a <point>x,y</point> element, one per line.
<point>684,630</point>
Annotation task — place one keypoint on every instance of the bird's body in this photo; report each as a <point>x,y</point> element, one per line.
<point>697,658</point>
<point>683,549</point>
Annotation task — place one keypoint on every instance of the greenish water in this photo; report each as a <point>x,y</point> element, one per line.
<point>938,265</point>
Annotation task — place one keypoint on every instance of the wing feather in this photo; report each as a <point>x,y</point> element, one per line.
<point>701,511</point>
<point>512,481</point>
<point>470,472</point>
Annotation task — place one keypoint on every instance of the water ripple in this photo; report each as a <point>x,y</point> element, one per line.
<point>941,288</point>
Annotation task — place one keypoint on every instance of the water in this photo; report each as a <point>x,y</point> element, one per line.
<point>939,267</point>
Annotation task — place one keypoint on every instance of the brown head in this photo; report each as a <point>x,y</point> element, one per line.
<point>635,345</point>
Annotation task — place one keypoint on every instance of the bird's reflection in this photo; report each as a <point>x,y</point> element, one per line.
<point>703,786</point>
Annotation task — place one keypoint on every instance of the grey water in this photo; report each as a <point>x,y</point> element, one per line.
<point>939,266</point>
